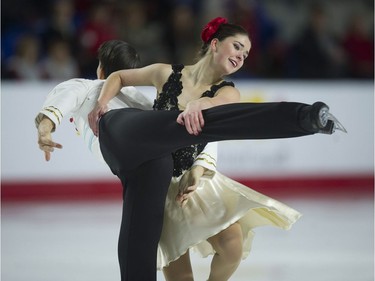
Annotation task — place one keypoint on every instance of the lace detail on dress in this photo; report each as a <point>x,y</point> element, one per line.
<point>168,100</point>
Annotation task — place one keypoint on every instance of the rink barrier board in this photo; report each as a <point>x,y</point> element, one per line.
<point>299,187</point>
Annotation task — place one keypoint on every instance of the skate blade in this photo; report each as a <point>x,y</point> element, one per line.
<point>338,125</point>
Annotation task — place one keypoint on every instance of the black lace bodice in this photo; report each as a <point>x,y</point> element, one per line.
<point>167,100</point>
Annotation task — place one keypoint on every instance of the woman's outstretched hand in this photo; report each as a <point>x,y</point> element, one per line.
<point>192,117</point>
<point>95,115</point>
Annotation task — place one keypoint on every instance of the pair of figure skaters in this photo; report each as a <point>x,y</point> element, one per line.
<point>174,199</point>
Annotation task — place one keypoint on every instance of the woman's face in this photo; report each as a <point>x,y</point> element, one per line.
<point>231,52</point>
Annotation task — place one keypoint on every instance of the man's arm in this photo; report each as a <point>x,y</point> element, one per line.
<point>207,159</point>
<point>46,144</point>
<point>66,97</point>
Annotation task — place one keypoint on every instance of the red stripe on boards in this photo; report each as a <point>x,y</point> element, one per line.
<point>334,186</point>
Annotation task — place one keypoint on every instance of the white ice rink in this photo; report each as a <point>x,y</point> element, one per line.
<point>76,241</point>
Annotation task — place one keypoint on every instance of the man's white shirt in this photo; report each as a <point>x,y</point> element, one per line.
<point>76,98</point>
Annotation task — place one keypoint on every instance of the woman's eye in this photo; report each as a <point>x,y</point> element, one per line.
<point>236,46</point>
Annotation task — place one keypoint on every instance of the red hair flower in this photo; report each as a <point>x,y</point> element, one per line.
<point>210,29</point>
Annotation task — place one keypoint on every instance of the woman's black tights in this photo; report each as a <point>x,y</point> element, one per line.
<point>137,146</point>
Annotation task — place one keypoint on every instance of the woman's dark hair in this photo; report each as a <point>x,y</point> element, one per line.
<point>225,30</point>
<point>116,55</point>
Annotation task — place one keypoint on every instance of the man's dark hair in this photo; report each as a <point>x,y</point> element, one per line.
<point>116,55</point>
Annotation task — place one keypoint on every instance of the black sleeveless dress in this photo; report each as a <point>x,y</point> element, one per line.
<point>168,100</point>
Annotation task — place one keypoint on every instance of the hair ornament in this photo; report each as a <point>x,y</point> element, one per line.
<point>210,29</point>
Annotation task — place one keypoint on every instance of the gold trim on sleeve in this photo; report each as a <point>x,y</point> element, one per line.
<point>209,162</point>
<point>204,153</point>
<point>53,111</point>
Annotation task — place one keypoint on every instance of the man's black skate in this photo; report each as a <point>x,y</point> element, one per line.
<point>318,119</point>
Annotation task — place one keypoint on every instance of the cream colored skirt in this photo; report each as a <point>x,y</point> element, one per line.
<point>217,203</point>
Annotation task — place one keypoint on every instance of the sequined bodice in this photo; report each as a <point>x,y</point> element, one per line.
<point>168,100</point>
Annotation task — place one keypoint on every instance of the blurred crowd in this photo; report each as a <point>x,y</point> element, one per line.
<point>291,39</point>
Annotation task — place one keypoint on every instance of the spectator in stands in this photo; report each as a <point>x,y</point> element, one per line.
<point>96,29</point>
<point>267,53</point>
<point>136,28</point>
<point>24,64</point>
<point>181,28</point>
<point>59,64</point>
<point>359,48</point>
<point>316,54</point>
<point>61,24</point>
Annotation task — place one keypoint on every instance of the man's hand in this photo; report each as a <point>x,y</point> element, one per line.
<point>189,183</point>
<point>192,117</point>
<point>94,117</point>
<point>45,139</point>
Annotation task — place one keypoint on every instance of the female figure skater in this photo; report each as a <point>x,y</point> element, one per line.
<point>219,216</point>
<point>137,145</point>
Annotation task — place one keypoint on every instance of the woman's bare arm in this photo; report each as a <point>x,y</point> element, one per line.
<point>152,75</point>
